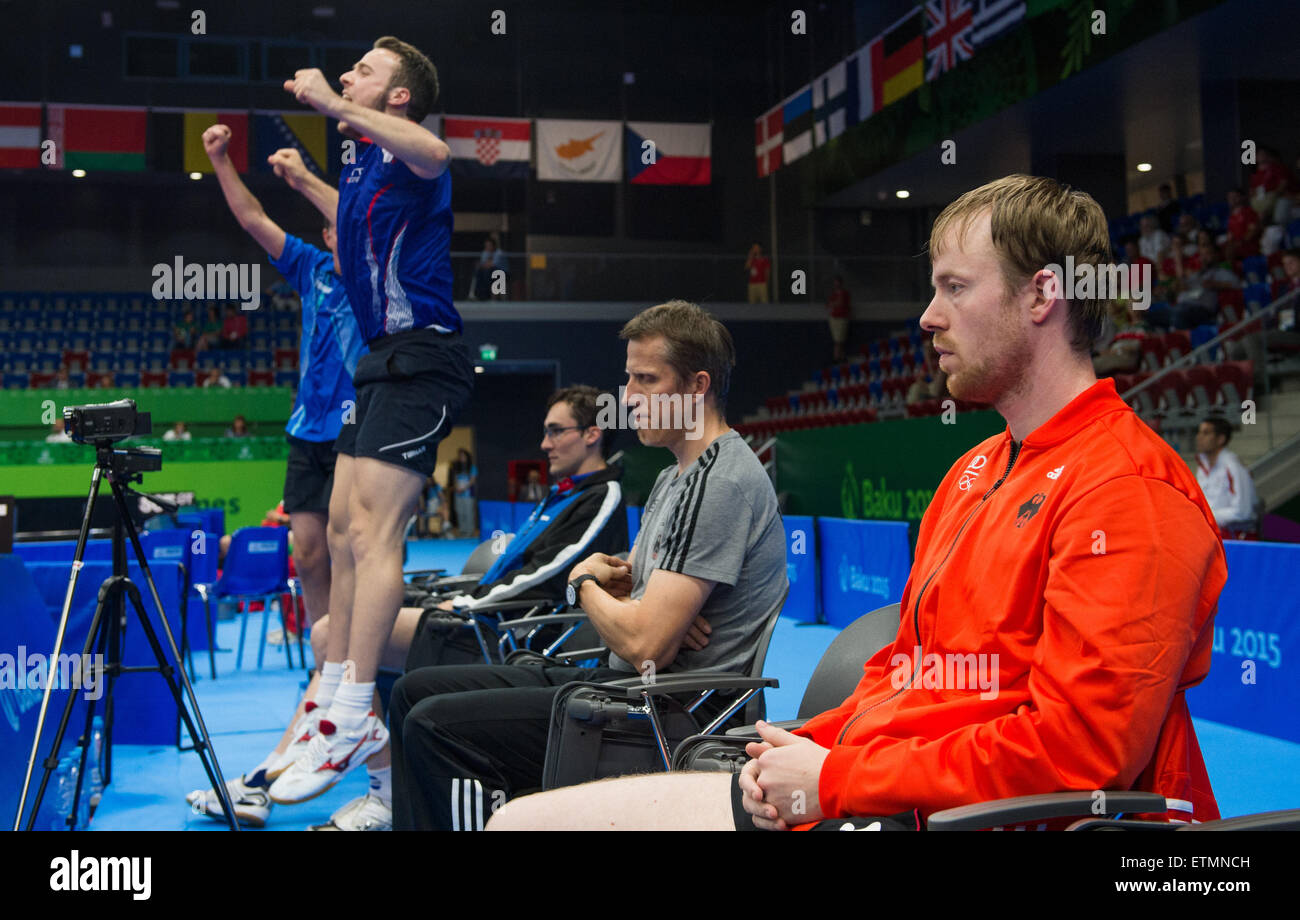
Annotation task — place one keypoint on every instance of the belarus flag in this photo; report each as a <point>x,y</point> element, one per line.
<point>494,148</point>
<point>668,153</point>
<point>20,135</point>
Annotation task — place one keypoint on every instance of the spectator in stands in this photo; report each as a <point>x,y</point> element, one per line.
<point>57,435</point>
<point>463,477</point>
<point>1270,187</point>
<point>1275,333</point>
<point>210,336</point>
<point>490,261</point>
<point>1224,479</point>
<point>107,381</point>
<point>933,382</point>
<point>1198,292</point>
<point>238,428</point>
<point>585,513</point>
<point>61,381</point>
<point>1204,240</point>
<point>757,267</point>
<point>1290,279</point>
<point>432,520</point>
<point>1153,241</point>
<point>838,312</point>
<point>214,378</point>
<point>177,432</point>
<point>533,490</point>
<point>234,329</point>
<point>1095,648</point>
<point>1244,227</point>
<point>1168,209</point>
<point>185,334</point>
<point>711,547</point>
<point>1120,349</point>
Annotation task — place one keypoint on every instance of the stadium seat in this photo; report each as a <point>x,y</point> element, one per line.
<point>1255,269</point>
<point>261,378</point>
<point>1232,306</point>
<point>182,359</point>
<point>180,379</point>
<point>1177,344</point>
<point>286,358</point>
<point>153,378</point>
<point>257,568</point>
<point>286,379</point>
<point>1236,382</point>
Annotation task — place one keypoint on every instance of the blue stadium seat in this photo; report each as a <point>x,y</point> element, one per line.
<point>123,378</point>
<point>237,378</point>
<point>260,358</point>
<point>157,359</point>
<point>208,360</point>
<point>15,381</point>
<point>286,379</point>
<point>180,379</point>
<point>1255,268</point>
<point>1293,233</point>
<point>1257,296</point>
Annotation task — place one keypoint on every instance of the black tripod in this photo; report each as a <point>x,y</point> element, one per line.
<point>121,467</point>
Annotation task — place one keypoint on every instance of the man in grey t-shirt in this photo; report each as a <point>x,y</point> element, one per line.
<point>707,569</point>
<point>718,521</point>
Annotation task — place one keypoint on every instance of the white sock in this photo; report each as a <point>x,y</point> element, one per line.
<point>264,765</point>
<point>381,782</point>
<point>351,705</point>
<point>330,675</point>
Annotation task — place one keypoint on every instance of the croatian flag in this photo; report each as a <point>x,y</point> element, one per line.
<point>668,153</point>
<point>496,148</point>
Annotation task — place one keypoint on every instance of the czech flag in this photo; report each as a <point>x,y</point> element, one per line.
<point>668,153</point>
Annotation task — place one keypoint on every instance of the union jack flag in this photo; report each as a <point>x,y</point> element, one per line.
<point>947,35</point>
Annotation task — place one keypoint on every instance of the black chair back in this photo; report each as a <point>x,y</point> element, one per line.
<point>840,667</point>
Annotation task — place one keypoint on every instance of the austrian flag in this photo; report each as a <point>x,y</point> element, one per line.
<point>20,135</point>
<point>496,148</point>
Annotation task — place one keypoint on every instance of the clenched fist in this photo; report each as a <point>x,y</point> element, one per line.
<point>215,141</point>
<point>288,165</point>
<point>310,87</point>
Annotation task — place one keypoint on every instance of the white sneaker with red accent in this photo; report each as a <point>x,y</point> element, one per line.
<point>304,730</point>
<point>329,756</point>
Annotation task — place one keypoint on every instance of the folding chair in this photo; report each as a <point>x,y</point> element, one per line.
<point>257,568</point>
<point>632,726</point>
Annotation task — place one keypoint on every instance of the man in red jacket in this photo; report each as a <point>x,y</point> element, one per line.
<point>1061,600</point>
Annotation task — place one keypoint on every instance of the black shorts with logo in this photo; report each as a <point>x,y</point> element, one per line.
<point>410,389</point>
<point>309,477</point>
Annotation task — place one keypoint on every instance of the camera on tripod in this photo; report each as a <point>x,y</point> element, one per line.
<point>103,423</point>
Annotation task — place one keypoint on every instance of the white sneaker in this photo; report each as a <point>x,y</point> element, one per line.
<point>304,730</point>
<point>330,756</point>
<point>364,813</point>
<point>252,804</point>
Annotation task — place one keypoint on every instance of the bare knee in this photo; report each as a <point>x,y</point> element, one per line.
<point>320,638</point>
<point>516,815</point>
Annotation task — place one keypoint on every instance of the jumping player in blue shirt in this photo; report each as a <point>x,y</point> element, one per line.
<point>393,213</point>
<point>329,350</point>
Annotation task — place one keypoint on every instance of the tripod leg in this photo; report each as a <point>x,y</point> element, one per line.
<point>243,627</point>
<point>212,636</point>
<point>202,743</point>
<point>300,612</point>
<point>197,728</point>
<point>284,632</point>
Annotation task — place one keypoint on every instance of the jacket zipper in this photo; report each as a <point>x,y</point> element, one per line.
<point>916,607</point>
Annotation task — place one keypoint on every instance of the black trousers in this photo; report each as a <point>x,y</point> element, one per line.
<point>468,738</point>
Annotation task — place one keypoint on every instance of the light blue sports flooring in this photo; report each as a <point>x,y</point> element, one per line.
<point>247,711</point>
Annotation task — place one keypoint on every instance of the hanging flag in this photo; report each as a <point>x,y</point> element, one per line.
<point>995,18</point>
<point>835,100</point>
<point>768,137</point>
<point>949,24</point>
<point>196,122</point>
<point>315,137</point>
<point>867,58</point>
<point>91,137</point>
<point>902,56</point>
<point>579,151</point>
<point>20,135</point>
<point>797,115</point>
<point>681,153</point>
<point>490,148</point>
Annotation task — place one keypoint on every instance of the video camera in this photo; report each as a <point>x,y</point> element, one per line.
<point>104,423</point>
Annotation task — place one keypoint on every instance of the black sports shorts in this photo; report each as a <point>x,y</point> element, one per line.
<point>410,389</point>
<point>309,476</point>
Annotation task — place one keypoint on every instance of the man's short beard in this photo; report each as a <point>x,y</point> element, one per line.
<point>1001,371</point>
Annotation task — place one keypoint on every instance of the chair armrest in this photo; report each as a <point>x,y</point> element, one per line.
<point>424,572</point>
<point>749,731</point>
<point>1025,808</point>
<point>447,584</point>
<point>693,682</point>
<point>573,616</point>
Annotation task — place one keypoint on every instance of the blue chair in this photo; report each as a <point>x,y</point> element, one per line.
<point>257,568</point>
<point>1257,297</point>
<point>1293,233</point>
<point>286,379</point>
<point>180,378</point>
<point>1255,268</point>
<point>173,547</point>
<point>1203,334</point>
<point>203,572</point>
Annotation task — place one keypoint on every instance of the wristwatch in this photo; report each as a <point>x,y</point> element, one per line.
<point>575,588</point>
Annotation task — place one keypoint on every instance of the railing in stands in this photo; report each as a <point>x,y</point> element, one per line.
<point>1194,356</point>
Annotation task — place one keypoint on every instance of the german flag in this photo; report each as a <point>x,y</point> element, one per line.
<point>898,59</point>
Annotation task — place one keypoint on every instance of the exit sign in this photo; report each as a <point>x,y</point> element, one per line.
<point>487,352</point>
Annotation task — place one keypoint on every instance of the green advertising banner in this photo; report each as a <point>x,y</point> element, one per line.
<point>884,471</point>
<point>245,489</point>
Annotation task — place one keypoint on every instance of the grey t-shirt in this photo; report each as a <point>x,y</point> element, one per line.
<point>718,521</point>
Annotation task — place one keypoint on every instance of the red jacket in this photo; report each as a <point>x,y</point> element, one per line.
<point>1082,570</point>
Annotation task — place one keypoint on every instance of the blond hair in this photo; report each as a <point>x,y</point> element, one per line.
<point>1036,222</point>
